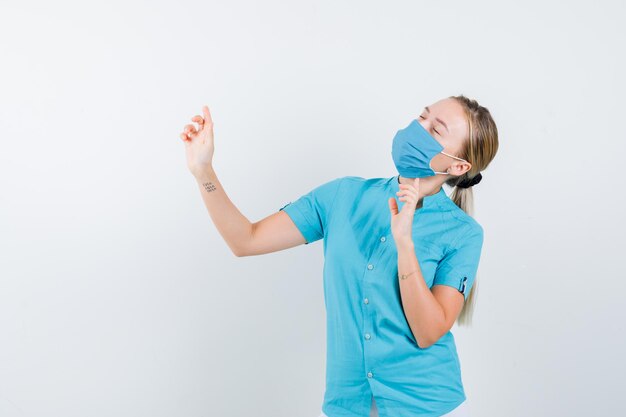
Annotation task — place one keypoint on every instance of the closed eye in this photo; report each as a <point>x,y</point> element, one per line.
<point>433,129</point>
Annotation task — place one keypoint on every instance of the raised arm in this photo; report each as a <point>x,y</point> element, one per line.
<point>274,233</point>
<point>271,234</point>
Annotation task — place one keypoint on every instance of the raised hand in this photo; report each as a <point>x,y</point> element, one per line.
<point>402,221</point>
<point>199,144</point>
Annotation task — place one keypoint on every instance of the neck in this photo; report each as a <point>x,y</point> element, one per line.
<point>427,185</point>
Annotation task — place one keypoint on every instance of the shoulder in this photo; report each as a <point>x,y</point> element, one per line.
<point>359,182</point>
<point>468,226</point>
<point>465,220</point>
<point>356,191</point>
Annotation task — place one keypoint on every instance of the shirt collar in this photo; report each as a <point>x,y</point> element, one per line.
<point>428,201</point>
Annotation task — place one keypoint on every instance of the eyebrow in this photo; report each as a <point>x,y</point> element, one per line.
<point>439,120</point>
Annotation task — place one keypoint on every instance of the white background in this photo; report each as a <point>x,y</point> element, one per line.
<point>118,297</point>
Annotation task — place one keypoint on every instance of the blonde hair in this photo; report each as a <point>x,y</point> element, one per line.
<point>479,149</point>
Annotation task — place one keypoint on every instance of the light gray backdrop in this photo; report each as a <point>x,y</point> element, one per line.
<point>118,297</point>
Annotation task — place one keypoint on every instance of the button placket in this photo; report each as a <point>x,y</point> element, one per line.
<point>368,319</point>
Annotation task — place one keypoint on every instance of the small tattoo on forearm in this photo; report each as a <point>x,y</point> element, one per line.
<point>209,186</point>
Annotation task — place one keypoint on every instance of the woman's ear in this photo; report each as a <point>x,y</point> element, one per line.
<point>459,168</point>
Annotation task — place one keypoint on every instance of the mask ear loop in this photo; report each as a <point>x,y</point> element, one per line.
<point>452,156</point>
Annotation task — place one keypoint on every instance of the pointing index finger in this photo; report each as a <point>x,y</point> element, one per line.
<point>207,114</point>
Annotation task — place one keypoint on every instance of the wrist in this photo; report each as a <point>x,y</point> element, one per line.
<point>205,175</point>
<point>405,243</point>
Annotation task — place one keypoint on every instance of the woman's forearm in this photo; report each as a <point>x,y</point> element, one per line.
<point>234,227</point>
<point>424,314</point>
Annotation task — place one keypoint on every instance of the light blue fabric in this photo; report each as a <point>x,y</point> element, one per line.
<point>412,150</point>
<point>370,346</point>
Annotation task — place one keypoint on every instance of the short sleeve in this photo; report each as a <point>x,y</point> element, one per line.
<point>459,265</point>
<point>311,212</point>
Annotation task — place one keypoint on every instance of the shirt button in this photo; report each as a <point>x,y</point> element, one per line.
<point>370,266</point>
<point>367,336</point>
<point>382,239</point>
<point>366,301</point>
<point>369,375</point>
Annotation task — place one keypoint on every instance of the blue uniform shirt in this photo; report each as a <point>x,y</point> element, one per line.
<point>370,348</point>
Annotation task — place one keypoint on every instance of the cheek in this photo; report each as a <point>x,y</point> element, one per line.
<point>438,163</point>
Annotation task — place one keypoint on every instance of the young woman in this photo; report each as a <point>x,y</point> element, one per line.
<point>397,275</point>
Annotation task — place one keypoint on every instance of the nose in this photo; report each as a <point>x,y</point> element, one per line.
<point>427,126</point>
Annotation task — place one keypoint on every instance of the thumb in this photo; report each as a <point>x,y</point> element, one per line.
<point>393,206</point>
